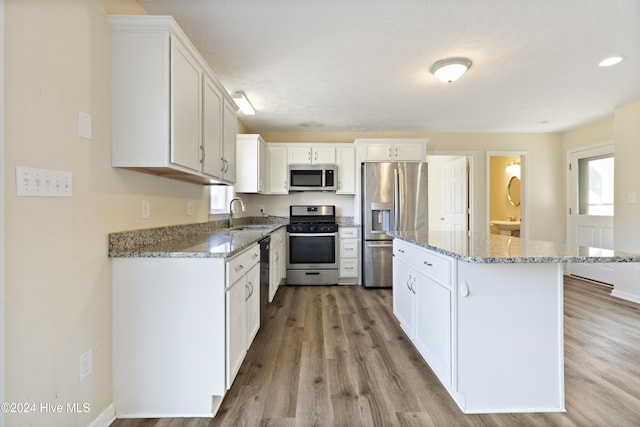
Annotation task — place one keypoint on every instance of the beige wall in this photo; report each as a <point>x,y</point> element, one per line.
<point>627,215</point>
<point>58,275</point>
<point>544,195</point>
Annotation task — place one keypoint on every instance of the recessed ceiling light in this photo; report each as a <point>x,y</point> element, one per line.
<point>612,60</point>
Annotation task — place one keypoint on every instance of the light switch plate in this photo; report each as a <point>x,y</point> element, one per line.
<point>84,125</point>
<point>33,182</point>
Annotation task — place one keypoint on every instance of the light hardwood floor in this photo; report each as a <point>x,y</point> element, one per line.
<point>335,356</point>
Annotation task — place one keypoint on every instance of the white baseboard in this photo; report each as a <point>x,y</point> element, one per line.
<point>105,418</point>
<point>626,296</point>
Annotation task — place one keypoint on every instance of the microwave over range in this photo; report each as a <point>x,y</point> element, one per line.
<point>321,177</point>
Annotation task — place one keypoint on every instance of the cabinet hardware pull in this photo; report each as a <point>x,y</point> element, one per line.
<point>202,154</point>
<point>401,250</point>
<point>309,155</point>
<point>396,151</point>
<point>428,264</point>
<point>389,152</point>
<point>315,156</point>
<point>240,267</point>
<point>464,289</point>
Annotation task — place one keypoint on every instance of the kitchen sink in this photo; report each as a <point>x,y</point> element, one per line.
<point>252,227</point>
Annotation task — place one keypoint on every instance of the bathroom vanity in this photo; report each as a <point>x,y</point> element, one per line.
<point>486,313</point>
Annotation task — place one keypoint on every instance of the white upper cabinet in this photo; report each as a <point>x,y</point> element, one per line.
<point>170,116</point>
<point>391,150</point>
<point>212,129</point>
<point>186,90</point>
<point>346,162</point>
<point>304,154</point>
<point>250,169</point>
<point>277,170</point>
<point>229,125</point>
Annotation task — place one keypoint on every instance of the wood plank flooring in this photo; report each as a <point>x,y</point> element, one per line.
<point>335,356</point>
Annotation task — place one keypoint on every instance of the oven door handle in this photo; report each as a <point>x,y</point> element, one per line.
<point>312,234</point>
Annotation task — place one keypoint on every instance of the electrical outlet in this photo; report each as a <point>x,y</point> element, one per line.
<point>146,209</point>
<point>85,365</point>
<point>189,208</point>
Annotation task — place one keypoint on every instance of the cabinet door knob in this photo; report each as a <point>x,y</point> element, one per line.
<point>464,289</point>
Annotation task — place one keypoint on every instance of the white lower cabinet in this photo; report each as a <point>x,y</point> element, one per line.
<point>491,332</point>
<point>242,307</point>
<point>180,327</point>
<point>236,322</point>
<point>422,303</point>
<point>277,260</point>
<point>348,255</point>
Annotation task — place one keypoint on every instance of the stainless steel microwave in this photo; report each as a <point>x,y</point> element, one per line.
<point>313,177</point>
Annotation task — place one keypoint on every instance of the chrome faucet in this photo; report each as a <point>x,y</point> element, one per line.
<point>242,207</point>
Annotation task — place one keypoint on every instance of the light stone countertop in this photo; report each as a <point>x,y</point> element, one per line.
<point>493,248</point>
<point>218,243</point>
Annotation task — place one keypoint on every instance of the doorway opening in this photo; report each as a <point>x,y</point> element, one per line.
<point>506,195</point>
<point>591,206</point>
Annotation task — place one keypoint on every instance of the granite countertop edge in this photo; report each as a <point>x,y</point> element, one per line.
<point>188,241</point>
<point>507,255</point>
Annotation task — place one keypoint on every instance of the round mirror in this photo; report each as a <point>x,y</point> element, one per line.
<point>513,191</point>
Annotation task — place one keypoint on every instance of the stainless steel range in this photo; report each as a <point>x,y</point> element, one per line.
<point>313,245</point>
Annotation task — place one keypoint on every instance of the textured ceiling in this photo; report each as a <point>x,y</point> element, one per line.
<point>363,65</point>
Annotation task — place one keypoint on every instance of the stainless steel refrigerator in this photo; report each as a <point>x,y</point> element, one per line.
<point>394,197</point>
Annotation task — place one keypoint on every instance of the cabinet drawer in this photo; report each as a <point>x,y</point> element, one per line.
<point>349,248</point>
<point>348,232</point>
<point>241,264</point>
<point>436,266</point>
<point>348,268</point>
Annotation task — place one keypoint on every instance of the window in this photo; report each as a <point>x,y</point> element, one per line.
<point>595,185</point>
<point>221,195</point>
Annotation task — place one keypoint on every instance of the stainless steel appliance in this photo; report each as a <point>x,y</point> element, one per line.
<point>312,177</point>
<point>394,197</point>
<point>313,245</point>
<point>265,247</point>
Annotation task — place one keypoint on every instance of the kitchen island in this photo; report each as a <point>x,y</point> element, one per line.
<point>486,313</point>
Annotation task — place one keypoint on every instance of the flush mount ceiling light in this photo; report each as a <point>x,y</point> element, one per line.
<point>612,60</point>
<point>450,69</point>
<point>243,103</point>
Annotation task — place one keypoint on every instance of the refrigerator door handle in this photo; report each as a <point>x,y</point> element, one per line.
<point>380,245</point>
<point>396,205</point>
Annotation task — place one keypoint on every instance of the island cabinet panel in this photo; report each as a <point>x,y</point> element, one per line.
<point>510,337</point>
<point>491,332</point>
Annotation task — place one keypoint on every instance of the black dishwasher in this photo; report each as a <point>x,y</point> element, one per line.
<point>265,245</point>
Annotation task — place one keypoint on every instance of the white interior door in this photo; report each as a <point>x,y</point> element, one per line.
<point>590,221</point>
<point>455,200</point>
